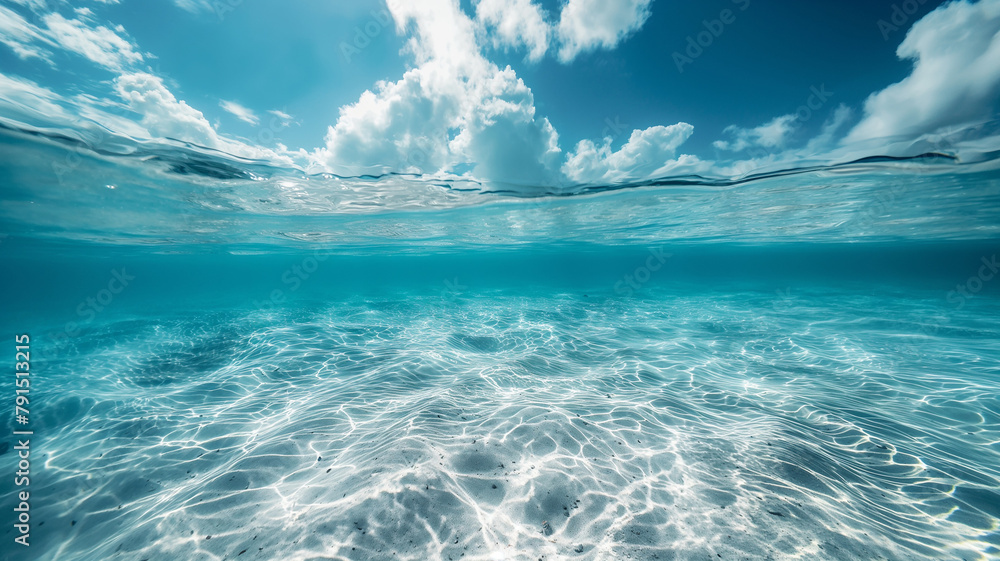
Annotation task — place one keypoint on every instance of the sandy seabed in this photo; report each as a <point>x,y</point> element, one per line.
<point>559,426</point>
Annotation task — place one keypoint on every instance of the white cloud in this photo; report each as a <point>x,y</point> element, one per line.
<point>27,103</point>
<point>33,4</point>
<point>585,25</point>
<point>955,79</point>
<point>240,112</point>
<point>453,108</point>
<point>22,97</point>
<point>280,114</point>
<point>99,44</point>
<point>452,111</point>
<point>771,135</point>
<point>22,36</point>
<point>648,153</point>
<point>515,23</point>
<point>770,150</point>
<point>163,114</point>
<point>194,6</point>
<point>279,119</point>
<point>831,131</point>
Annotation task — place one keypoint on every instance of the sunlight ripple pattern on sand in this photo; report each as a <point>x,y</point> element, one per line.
<point>488,426</point>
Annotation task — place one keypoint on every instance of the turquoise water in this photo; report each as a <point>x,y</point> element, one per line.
<point>236,361</point>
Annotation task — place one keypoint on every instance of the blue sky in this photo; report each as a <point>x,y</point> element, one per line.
<point>523,91</point>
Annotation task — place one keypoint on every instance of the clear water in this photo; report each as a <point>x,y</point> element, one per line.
<point>235,361</point>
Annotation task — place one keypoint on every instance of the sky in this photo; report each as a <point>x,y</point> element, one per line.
<point>522,92</point>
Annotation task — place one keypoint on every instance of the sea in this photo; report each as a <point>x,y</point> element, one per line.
<point>229,359</point>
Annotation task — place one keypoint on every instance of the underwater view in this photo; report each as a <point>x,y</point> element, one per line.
<point>322,281</point>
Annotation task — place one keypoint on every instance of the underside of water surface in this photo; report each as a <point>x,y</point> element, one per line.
<point>238,362</point>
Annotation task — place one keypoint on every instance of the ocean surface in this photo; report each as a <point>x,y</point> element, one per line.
<point>231,360</point>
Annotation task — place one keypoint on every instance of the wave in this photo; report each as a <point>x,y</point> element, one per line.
<point>60,185</point>
<point>184,158</point>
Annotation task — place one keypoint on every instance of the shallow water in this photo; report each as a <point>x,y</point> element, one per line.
<point>781,368</point>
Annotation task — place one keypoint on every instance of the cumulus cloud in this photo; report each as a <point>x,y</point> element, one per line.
<point>453,108</point>
<point>452,111</point>
<point>162,113</point>
<point>240,112</point>
<point>955,83</point>
<point>955,79</point>
<point>770,136</point>
<point>585,25</point>
<point>774,150</point>
<point>165,116</point>
<point>515,23</point>
<point>648,153</point>
<point>27,103</point>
